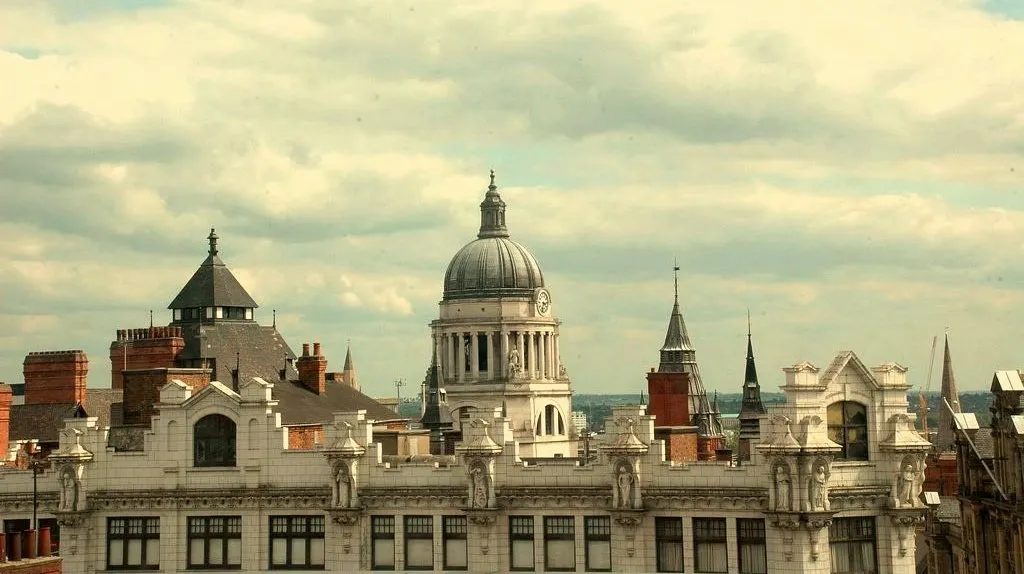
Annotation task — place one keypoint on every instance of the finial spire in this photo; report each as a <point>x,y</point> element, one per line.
<point>748,323</point>
<point>492,187</point>
<point>675,276</point>
<point>213,241</point>
<point>150,318</point>
<point>275,319</point>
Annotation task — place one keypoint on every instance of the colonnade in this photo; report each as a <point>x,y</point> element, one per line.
<point>483,355</point>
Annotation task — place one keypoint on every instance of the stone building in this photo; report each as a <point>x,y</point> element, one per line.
<point>832,484</point>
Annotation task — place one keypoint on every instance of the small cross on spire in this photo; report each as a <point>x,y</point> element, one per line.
<point>213,241</point>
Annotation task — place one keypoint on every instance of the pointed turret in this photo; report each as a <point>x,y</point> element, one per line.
<point>945,440</point>
<point>752,408</point>
<point>213,293</point>
<point>436,415</point>
<point>492,213</point>
<point>348,373</point>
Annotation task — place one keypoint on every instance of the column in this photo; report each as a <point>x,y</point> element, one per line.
<point>489,341</point>
<point>557,357</point>
<point>532,344</point>
<point>461,361</point>
<point>522,350</point>
<point>549,355</point>
<point>542,356</point>
<point>474,358</point>
<point>438,343</point>
<point>451,373</point>
<point>503,355</point>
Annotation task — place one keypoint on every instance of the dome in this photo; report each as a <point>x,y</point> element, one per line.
<point>493,265</point>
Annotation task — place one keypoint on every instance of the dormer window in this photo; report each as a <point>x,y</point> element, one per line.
<point>213,441</point>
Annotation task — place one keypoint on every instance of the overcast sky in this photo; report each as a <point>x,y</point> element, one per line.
<point>848,171</point>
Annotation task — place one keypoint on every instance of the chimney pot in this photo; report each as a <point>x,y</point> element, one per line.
<point>316,349</point>
<point>305,349</point>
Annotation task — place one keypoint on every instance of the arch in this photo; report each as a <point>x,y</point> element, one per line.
<point>213,441</point>
<point>173,440</point>
<point>848,427</point>
<point>550,421</point>
<point>252,437</point>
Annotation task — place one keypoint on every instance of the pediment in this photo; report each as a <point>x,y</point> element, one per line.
<point>215,392</point>
<point>847,368</point>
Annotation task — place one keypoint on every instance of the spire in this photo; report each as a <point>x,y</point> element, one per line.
<point>714,404</point>
<point>436,415</point>
<point>677,349</point>
<point>213,241</point>
<point>492,213</point>
<point>348,358</point>
<point>945,439</point>
<point>752,405</point>
<point>348,372</point>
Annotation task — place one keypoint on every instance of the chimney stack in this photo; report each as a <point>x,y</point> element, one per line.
<point>312,369</point>
<point>6,398</point>
<point>55,377</point>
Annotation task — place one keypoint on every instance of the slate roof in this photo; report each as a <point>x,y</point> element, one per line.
<point>261,350</point>
<point>298,405</point>
<point>983,442</point>
<point>212,285</point>
<point>949,509</point>
<point>105,405</point>
<point>42,422</point>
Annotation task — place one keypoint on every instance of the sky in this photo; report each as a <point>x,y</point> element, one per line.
<point>849,172</point>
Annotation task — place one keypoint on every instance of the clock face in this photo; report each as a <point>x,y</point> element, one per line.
<point>543,302</point>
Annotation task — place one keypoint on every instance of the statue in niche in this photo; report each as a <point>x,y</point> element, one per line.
<point>342,487</point>
<point>625,486</point>
<point>783,488</point>
<point>562,373</point>
<point>905,483</point>
<point>515,366</point>
<point>479,495</point>
<point>819,488</point>
<point>68,490</point>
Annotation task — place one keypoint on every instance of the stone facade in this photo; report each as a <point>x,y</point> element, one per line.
<point>807,498</point>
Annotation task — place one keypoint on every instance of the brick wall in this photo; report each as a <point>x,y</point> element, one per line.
<point>55,377</point>
<point>47,565</point>
<point>669,400</point>
<point>680,445</point>
<point>312,369</point>
<point>149,348</point>
<point>142,390</point>
<point>6,397</point>
<point>304,437</point>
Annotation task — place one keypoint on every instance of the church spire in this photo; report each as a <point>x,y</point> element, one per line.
<point>492,213</point>
<point>348,372</point>
<point>751,388</point>
<point>677,350</point>
<point>436,415</point>
<point>945,439</point>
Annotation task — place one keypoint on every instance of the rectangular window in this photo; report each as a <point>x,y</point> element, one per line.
<point>709,545</point>
<point>597,534</point>
<point>852,543</point>
<point>382,533</point>
<point>560,543</point>
<point>456,556</point>
<point>248,313</point>
<point>520,542</point>
<point>419,542</point>
<point>215,542</point>
<point>220,313</point>
<point>296,542</point>
<point>133,543</point>
<point>209,312</point>
<point>752,548</point>
<point>668,540</point>
<point>177,314</point>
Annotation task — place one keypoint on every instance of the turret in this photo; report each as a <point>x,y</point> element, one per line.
<point>752,408</point>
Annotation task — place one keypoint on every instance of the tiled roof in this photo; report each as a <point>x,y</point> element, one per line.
<point>105,405</point>
<point>299,405</point>
<point>42,422</point>
<point>212,285</point>
<point>983,442</point>
<point>261,350</point>
<point>949,510</point>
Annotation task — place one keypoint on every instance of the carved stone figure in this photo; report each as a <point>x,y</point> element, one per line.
<point>342,487</point>
<point>625,485</point>
<point>562,373</point>
<point>478,487</point>
<point>783,488</point>
<point>905,485</point>
<point>68,491</point>
<point>819,489</point>
<point>515,366</point>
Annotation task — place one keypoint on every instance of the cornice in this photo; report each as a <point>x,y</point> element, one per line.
<point>214,499</point>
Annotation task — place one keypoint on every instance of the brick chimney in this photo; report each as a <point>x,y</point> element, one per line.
<point>142,390</point>
<point>6,397</point>
<point>54,377</point>
<point>312,369</point>
<point>146,348</point>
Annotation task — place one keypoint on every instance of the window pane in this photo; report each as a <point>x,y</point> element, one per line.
<point>298,551</point>
<point>522,554</point>
<point>134,552</point>
<point>834,414</point>
<point>195,551</point>
<point>599,555</point>
<point>753,558</point>
<point>235,551</point>
<point>670,557</point>
<point>216,551</point>
<point>384,552</point>
<point>455,553</point>
<point>116,553</point>
<point>316,552</point>
<point>561,554</point>
<point>419,553</point>
<point>153,552</point>
<point>711,557</point>
<point>279,551</point>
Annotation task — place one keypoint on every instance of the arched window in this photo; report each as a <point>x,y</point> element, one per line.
<point>848,427</point>
<point>550,422</point>
<point>213,441</point>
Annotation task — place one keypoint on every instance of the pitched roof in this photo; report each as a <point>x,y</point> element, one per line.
<point>843,359</point>
<point>261,350</point>
<point>105,405</point>
<point>42,422</point>
<point>298,405</point>
<point>212,285</point>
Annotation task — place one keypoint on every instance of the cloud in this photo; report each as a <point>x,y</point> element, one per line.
<point>854,181</point>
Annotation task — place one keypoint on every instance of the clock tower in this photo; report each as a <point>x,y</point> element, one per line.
<point>497,341</point>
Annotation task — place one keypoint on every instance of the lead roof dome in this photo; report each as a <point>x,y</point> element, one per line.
<point>493,265</point>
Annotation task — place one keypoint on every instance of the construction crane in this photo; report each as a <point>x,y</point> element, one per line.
<point>927,387</point>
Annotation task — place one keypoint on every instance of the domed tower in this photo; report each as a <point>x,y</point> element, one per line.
<point>497,337</point>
